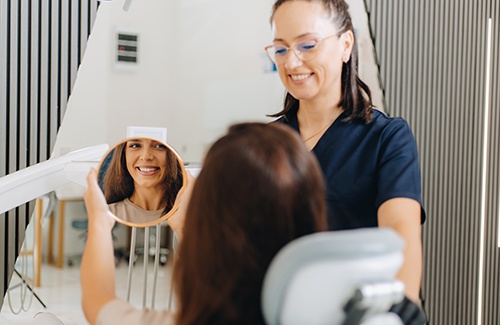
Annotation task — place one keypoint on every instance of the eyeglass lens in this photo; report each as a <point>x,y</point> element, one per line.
<point>304,51</point>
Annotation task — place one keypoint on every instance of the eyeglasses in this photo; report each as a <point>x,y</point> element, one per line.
<point>305,50</point>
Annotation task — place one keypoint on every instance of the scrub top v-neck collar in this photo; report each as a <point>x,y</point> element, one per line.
<point>324,140</point>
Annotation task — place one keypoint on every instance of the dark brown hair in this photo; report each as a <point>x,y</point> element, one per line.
<point>259,188</point>
<point>118,184</point>
<point>356,96</point>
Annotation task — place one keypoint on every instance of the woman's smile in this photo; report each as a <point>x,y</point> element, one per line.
<point>300,77</point>
<point>147,170</point>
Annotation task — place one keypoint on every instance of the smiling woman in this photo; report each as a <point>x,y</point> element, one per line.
<point>141,178</point>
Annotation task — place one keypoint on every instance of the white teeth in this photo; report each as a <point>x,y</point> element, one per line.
<point>300,76</point>
<point>147,169</point>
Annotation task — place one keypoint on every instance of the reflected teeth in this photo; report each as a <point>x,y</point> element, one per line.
<point>147,169</point>
<point>300,76</point>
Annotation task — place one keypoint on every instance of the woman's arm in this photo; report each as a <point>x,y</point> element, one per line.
<point>403,215</point>
<point>97,271</point>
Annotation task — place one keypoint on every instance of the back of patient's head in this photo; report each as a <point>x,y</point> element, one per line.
<point>259,188</point>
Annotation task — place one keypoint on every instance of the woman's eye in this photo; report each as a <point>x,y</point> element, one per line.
<point>306,46</point>
<point>159,146</point>
<point>134,145</point>
<point>280,50</point>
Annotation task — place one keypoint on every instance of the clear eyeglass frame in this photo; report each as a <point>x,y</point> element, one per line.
<point>304,50</point>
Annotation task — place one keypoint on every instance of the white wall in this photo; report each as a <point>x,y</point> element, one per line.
<point>201,67</point>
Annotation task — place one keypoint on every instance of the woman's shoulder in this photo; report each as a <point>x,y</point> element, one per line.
<point>389,125</point>
<point>383,118</point>
<point>117,206</point>
<point>381,128</point>
<point>124,206</point>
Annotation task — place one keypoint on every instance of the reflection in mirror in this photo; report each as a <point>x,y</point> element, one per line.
<point>140,178</point>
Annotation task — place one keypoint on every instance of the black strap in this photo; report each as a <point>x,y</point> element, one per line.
<point>409,312</point>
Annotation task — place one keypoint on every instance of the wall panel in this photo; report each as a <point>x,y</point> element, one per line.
<point>41,46</point>
<point>432,56</point>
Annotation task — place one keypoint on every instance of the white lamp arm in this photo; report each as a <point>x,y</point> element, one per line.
<point>34,181</point>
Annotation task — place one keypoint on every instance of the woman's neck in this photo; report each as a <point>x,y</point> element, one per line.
<point>315,112</point>
<point>150,199</point>
<point>314,119</point>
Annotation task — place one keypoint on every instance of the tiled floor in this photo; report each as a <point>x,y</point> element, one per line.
<point>60,292</point>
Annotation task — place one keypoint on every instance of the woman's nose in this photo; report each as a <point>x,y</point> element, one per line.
<point>292,60</point>
<point>146,154</point>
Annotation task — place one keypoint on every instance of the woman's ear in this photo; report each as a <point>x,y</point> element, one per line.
<point>347,40</point>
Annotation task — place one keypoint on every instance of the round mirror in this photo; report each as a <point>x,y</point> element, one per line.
<point>141,178</point>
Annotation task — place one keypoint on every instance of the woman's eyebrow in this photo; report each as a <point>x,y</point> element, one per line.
<point>296,37</point>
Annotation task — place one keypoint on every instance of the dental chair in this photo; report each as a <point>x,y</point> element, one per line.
<point>338,277</point>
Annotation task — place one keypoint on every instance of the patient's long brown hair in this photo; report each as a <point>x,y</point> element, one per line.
<point>259,188</point>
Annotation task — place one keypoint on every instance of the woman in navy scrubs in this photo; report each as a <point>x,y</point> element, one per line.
<point>369,160</point>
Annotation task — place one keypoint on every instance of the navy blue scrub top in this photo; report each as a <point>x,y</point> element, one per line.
<point>365,165</point>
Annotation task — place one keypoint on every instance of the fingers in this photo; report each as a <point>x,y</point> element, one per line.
<point>92,177</point>
<point>95,202</point>
<point>91,183</point>
<point>93,196</point>
<point>191,178</point>
<point>176,219</point>
<point>190,183</point>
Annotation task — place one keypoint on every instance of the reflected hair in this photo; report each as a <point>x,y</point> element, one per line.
<point>118,184</point>
<point>356,99</point>
<point>259,188</point>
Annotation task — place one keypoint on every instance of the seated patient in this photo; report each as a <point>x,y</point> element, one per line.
<point>137,196</point>
<point>259,188</point>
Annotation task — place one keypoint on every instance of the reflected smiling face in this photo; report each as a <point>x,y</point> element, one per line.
<point>146,162</point>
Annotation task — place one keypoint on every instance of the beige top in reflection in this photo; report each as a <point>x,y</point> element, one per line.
<point>121,313</point>
<point>128,211</point>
